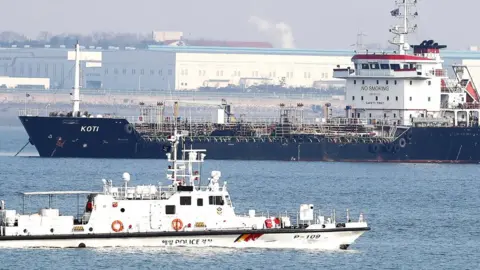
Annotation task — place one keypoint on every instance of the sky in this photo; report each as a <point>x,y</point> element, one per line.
<point>313,24</point>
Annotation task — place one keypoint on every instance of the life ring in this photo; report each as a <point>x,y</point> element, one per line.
<point>129,128</point>
<point>177,224</point>
<point>117,226</point>
<point>402,142</point>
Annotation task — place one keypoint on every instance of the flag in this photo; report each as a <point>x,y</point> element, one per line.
<point>395,12</point>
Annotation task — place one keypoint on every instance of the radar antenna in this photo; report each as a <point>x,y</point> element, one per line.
<point>406,13</point>
<point>359,46</point>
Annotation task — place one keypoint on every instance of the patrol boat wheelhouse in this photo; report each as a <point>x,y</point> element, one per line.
<point>181,214</point>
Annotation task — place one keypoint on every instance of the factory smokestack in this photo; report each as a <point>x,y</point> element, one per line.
<point>281,32</point>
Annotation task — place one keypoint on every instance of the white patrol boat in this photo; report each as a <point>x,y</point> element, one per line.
<point>184,213</point>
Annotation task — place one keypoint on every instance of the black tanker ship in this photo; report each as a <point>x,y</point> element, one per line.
<point>337,140</point>
<point>403,108</point>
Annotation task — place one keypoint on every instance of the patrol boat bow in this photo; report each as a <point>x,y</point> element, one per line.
<point>180,214</point>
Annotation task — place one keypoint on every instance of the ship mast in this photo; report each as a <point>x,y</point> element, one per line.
<point>406,14</point>
<point>76,87</point>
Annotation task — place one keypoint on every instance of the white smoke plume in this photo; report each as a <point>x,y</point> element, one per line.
<point>281,32</point>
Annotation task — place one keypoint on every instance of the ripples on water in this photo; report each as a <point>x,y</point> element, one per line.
<point>423,216</point>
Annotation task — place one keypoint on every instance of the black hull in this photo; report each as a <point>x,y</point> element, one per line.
<point>79,137</point>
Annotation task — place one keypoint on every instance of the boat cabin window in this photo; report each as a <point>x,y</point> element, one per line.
<point>395,66</point>
<point>365,66</point>
<point>216,200</point>
<point>384,66</point>
<point>407,66</point>
<point>170,209</point>
<point>185,200</point>
<point>199,202</point>
<point>374,66</point>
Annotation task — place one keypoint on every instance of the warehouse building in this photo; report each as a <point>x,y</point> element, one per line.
<point>190,67</point>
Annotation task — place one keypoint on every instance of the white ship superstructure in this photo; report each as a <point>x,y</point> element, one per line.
<point>408,89</point>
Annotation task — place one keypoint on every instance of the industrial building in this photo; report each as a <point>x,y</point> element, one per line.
<point>189,67</point>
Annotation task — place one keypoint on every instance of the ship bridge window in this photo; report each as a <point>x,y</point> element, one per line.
<point>374,66</point>
<point>170,209</point>
<point>365,66</point>
<point>185,200</point>
<point>395,66</point>
<point>384,66</point>
<point>216,200</point>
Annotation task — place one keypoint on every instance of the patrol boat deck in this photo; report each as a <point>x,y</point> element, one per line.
<point>183,213</point>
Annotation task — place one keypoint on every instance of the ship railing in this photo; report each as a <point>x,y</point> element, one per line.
<point>470,105</point>
<point>374,73</point>
<point>149,192</point>
<point>189,94</point>
<point>318,217</point>
<point>29,112</point>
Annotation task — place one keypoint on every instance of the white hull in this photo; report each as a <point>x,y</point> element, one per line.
<point>251,239</point>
